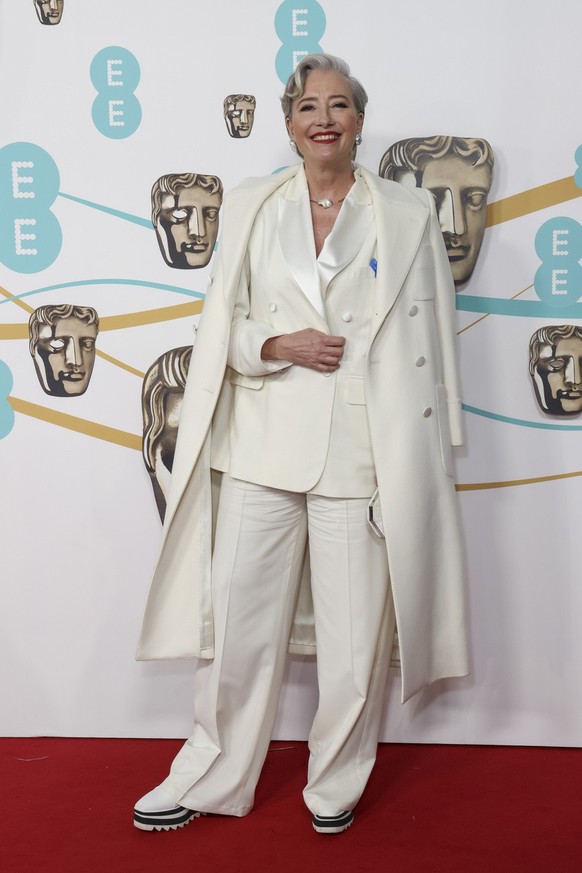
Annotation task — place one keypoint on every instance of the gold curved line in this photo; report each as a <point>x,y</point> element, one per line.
<point>14,331</point>
<point>114,322</point>
<point>487,314</point>
<point>117,363</point>
<point>150,316</point>
<point>512,483</point>
<point>80,425</point>
<point>526,202</point>
<point>20,303</point>
<point>473,323</point>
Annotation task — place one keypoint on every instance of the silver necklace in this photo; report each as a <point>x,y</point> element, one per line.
<point>326,202</point>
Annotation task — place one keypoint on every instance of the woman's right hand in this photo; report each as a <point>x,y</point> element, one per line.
<point>307,348</point>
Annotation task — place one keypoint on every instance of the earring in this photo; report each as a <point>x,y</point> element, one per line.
<point>292,145</point>
<point>358,139</point>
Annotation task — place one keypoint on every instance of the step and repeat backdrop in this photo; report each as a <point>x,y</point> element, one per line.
<point>122,124</point>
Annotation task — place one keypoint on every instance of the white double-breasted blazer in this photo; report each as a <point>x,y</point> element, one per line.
<point>410,388</point>
<point>275,406</point>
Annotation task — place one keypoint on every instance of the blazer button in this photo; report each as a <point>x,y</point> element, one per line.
<point>347,316</point>
<point>427,411</point>
<point>272,307</point>
<point>413,310</point>
<point>420,361</point>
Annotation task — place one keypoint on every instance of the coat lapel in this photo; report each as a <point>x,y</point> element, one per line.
<point>400,227</point>
<point>244,202</point>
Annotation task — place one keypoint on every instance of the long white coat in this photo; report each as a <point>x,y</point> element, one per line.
<point>414,414</point>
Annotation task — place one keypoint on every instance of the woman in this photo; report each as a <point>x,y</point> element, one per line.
<point>324,369</point>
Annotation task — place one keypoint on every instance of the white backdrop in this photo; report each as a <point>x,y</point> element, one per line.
<point>79,523</point>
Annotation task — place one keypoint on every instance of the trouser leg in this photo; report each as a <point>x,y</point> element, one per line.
<point>354,625</point>
<point>257,561</point>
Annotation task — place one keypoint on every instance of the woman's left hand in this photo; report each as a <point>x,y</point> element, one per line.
<point>307,348</point>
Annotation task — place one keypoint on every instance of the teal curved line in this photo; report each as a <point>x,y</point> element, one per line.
<point>127,216</point>
<point>138,282</point>
<point>525,308</point>
<point>520,422</point>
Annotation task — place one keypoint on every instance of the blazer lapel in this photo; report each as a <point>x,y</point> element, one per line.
<point>296,239</point>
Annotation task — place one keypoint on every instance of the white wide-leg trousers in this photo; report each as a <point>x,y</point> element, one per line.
<point>261,536</point>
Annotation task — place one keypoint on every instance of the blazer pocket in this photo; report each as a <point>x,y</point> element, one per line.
<point>358,274</point>
<point>253,382</point>
<point>424,285</point>
<point>444,430</point>
<point>356,391</point>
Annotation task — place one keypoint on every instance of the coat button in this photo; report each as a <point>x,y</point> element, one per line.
<point>347,316</point>
<point>327,375</point>
<point>413,310</point>
<point>420,361</point>
<point>210,281</point>
<point>427,411</point>
<point>272,307</point>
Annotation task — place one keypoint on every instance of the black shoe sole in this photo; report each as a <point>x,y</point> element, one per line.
<point>165,820</point>
<point>332,824</point>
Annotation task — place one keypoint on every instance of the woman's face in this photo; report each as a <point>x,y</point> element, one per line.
<point>324,121</point>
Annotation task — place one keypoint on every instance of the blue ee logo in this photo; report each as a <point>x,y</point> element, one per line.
<point>299,26</point>
<point>558,282</point>
<point>6,411</point>
<point>115,74</point>
<point>30,235</point>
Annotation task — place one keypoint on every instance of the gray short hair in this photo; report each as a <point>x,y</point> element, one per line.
<point>295,86</point>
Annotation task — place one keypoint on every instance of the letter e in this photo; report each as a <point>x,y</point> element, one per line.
<point>111,73</point>
<point>559,246</point>
<point>113,113</point>
<point>299,22</point>
<point>556,282</point>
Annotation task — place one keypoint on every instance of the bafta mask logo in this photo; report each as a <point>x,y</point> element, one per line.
<point>62,345</point>
<point>458,171</point>
<point>49,11</point>
<point>161,404</point>
<point>555,366</point>
<point>185,209</point>
<point>239,114</point>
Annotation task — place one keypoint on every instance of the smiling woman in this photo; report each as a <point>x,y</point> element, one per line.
<point>322,389</point>
<point>324,115</point>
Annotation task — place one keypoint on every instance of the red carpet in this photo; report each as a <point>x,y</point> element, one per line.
<point>428,809</point>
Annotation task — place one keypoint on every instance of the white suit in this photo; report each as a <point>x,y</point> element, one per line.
<point>390,413</point>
